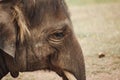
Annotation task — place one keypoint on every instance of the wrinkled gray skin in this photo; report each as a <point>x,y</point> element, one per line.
<point>51,44</point>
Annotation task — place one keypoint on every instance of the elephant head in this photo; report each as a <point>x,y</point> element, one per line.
<point>38,34</point>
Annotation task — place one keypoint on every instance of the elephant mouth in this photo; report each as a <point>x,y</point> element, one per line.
<point>36,66</point>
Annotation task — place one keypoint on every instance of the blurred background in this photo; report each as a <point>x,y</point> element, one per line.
<point>97,26</point>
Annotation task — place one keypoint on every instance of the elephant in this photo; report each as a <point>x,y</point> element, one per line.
<point>38,35</point>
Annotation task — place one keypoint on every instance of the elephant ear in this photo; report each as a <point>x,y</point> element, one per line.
<point>7,40</point>
<point>8,48</point>
<point>8,32</point>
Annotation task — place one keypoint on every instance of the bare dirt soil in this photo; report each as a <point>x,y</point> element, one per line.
<point>98,30</point>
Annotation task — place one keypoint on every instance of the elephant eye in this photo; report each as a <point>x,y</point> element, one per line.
<point>58,35</point>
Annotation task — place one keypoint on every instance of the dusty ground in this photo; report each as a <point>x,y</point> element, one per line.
<point>98,30</point>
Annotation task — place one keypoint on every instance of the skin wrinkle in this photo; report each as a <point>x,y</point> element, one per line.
<point>51,45</point>
<point>54,27</point>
